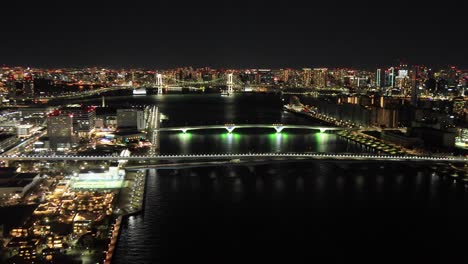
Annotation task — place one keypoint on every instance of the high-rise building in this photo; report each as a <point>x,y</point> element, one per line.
<point>131,118</point>
<point>28,84</point>
<point>390,77</point>
<point>320,77</point>
<point>28,88</point>
<point>285,75</point>
<point>378,77</point>
<point>265,75</point>
<point>84,118</point>
<point>414,86</point>
<point>306,76</point>
<point>60,130</point>
<point>11,86</point>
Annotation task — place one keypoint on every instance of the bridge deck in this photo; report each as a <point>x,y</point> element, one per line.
<point>236,126</point>
<point>244,156</point>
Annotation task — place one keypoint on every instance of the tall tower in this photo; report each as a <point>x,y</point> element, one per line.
<point>378,77</point>
<point>60,131</point>
<point>414,88</point>
<point>285,75</point>
<point>28,88</point>
<point>306,76</point>
<point>103,103</point>
<point>11,86</point>
<point>28,83</point>
<point>230,83</point>
<point>159,83</point>
<point>320,77</point>
<point>392,77</point>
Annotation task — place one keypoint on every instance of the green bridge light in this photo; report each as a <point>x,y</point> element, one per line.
<point>185,135</point>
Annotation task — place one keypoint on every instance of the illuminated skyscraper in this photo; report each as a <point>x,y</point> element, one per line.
<point>28,84</point>
<point>83,119</point>
<point>306,77</point>
<point>414,85</point>
<point>320,77</point>
<point>60,131</point>
<point>378,77</point>
<point>285,75</point>
<point>390,77</point>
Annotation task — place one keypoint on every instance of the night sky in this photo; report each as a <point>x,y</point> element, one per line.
<point>233,34</point>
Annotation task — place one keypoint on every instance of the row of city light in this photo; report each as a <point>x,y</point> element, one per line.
<point>66,157</point>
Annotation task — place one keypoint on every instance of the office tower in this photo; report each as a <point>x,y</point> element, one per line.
<point>28,84</point>
<point>306,76</point>
<point>60,131</point>
<point>28,88</point>
<point>285,75</point>
<point>84,118</point>
<point>414,87</point>
<point>390,77</point>
<point>131,118</point>
<point>378,78</point>
<point>11,86</point>
<point>320,77</point>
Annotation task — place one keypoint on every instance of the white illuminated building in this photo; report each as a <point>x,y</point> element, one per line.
<point>112,174</point>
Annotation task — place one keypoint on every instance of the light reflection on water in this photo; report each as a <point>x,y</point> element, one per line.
<point>285,212</point>
<point>251,140</point>
<point>306,193</point>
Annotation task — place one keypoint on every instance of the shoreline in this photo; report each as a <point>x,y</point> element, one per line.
<point>121,218</point>
<point>348,135</point>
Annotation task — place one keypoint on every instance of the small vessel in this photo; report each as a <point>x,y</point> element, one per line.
<point>139,91</point>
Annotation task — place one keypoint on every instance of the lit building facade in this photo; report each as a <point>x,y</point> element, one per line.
<point>131,118</point>
<point>60,131</point>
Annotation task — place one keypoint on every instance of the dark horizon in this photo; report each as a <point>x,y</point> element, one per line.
<point>232,35</point>
<point>149,68</point>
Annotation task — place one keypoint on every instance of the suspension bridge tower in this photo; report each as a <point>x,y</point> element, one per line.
<point>230,83</point>
<point>159,82</point>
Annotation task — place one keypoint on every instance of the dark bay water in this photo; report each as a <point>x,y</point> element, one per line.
<point>302,212</point>
<point>196,109</point>
<point>298,213</point>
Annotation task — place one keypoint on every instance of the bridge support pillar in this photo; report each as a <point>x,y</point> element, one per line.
<point>230,83</point>
<point>230,129</point>
<point>159,83</point>
<point>323,130</point>
<point>279,129</point>
<point>184,130</point>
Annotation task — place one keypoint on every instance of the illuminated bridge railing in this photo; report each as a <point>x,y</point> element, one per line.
<point>251,156</point>
<point>232,127</point>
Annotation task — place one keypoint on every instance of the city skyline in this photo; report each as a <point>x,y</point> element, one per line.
<point>397,64</point>
<point>233,131</point>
